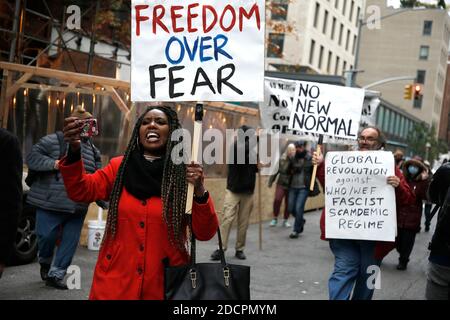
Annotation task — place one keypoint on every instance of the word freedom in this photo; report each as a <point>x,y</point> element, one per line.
<point>227,20</point>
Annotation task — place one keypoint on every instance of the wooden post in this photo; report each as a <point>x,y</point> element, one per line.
<point>196,142</point>
<point>313,176</point>
<point>4,102</point>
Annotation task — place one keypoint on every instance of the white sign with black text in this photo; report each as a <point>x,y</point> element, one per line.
<point>359,204</point>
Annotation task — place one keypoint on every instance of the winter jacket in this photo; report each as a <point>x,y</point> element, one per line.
<point>10,191</point>
<point>242,176</point>
<point>130,265</point>
<point>301,170</point>
<point>48,191</point>
<point>284,176</point>
<point>403,195</point>
<point>409,215</point>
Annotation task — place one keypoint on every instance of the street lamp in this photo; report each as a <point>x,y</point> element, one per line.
<point>427,146</point>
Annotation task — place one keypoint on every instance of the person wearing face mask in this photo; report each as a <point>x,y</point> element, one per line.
<point>409,216</point>
<point>300,167</point>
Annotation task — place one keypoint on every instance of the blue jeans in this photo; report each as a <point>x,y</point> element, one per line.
<point>297,200</point>
<point>352,258</point>
<point>49,227</point>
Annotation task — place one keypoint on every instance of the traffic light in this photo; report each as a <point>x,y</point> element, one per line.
<point>407,95</point>
<point>417,91</point>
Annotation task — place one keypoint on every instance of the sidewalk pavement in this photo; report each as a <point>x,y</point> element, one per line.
<point>285,269</point>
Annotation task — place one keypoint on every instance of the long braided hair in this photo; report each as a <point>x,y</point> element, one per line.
<point>173,190</point>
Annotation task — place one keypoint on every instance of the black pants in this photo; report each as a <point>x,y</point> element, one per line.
<point>405,243</point>
<point>427,213</point>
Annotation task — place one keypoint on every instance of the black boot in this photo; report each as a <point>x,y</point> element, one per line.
<point>402,265</point>
<point>56,283</point>
<point>45,268</point>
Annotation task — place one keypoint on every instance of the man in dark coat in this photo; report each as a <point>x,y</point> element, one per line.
<point>10,192</point>
<point>241,180</point>
<point>56,215</point>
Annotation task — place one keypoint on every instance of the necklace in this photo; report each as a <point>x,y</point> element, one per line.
<point>151,158</point>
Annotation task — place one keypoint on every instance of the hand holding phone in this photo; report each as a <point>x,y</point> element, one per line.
<point>88,127</point>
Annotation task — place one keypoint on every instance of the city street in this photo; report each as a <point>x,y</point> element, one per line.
<point>286,269</point>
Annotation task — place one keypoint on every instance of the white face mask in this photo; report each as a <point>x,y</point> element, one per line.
<point>413,170</point>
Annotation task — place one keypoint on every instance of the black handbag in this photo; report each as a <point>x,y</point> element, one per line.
<point>207,281</point>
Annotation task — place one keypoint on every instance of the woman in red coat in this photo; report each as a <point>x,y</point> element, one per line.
<point>146,220</point>
<point>408,216</point>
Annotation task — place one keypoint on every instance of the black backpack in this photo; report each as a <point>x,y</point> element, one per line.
<point>33,175</point>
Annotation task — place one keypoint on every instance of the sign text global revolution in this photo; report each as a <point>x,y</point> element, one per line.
<point>200,48</point>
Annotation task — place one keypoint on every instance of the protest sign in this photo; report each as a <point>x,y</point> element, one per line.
<point>359,204</point>
<point>327,109</point>
<point>204,50</point>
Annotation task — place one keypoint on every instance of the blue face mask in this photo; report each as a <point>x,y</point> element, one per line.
<point>413,170</point>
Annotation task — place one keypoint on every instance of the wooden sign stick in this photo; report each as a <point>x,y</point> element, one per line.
<point>196,142</point>
<point>313,176</point>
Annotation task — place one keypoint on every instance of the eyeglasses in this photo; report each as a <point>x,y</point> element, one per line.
<point>367,139</point>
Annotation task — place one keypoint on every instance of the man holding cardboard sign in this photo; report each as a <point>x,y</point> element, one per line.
<point>354,256</point>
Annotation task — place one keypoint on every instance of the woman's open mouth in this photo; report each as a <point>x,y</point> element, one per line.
<point>152,137</point>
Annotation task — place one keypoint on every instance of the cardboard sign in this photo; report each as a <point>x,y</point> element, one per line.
<point>359,204</point>
<point>327,109</point>
<point>204,50</point>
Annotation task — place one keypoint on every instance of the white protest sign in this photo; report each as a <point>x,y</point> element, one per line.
<point>359,204</point>
<point>327,109</point>
<point>204,50</point>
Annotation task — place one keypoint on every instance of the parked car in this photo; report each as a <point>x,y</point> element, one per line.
<point>25,246</point>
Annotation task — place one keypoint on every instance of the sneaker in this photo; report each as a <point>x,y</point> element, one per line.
<point>294,235</point>
<point>215,256</point>
<point>45,268</point>
<point>56,283</point>
<point>286,224</point>
<point>240,255</point>
<point>273,223</point>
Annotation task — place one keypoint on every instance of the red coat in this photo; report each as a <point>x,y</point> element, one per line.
<point>130,266</point>
<point>403,195</point>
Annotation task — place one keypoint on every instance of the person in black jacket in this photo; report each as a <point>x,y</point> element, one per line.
<point>10,193</point>
<point>56,215</point>
<point>438,273</point>
<point>241,180</point>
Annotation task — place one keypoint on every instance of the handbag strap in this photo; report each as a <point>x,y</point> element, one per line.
<point>193,247</point>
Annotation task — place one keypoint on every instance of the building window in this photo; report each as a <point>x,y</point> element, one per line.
<point>427,27</point>
<point>352,6</point>
<point>402,128</point>
<point>417,104</point>
<point>336,67</point>
<point>380,115</point>
<point>311,52</point>
<point>320,57</point>
<point>280,10</point>
<point>344,67</point>
<point>316,15</point>
<point>330,56</point>
<point>341,30</point>
<point>424,52</point>
<point>344,8</point>
<point>336,4</point>
<point>325,22</point>
<point>420,77</point>
<point>354,45</point>
<point>333,26</point>
<point>347,41</point>
<point>387,117</point>
<point>358,11</point>
<point>275,46</point>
